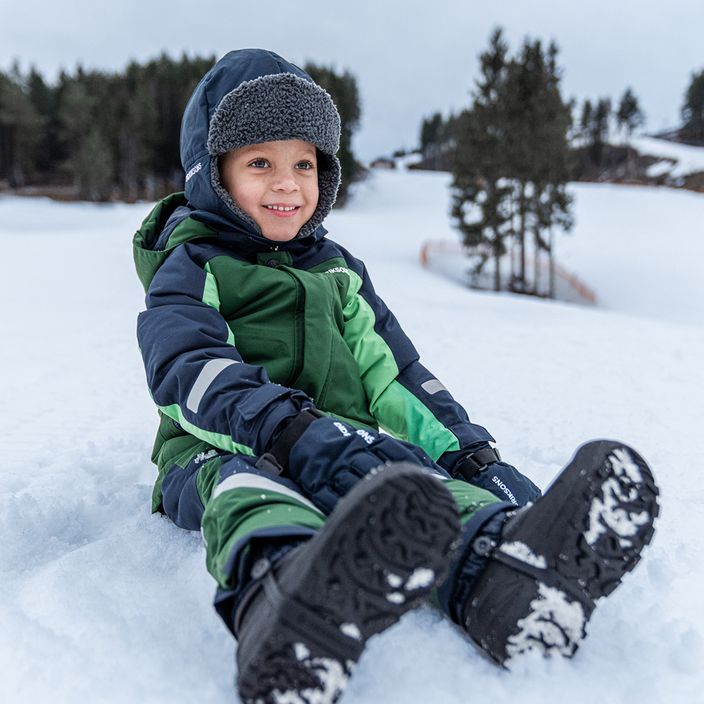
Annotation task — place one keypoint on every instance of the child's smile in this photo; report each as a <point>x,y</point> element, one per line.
<point>282,211</point>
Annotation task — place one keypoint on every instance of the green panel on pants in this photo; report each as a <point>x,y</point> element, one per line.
<point>232,514</point>
<point>469,498</point>
<point>244,504</point>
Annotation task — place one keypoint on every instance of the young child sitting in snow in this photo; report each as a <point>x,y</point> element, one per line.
<point>273,363</point>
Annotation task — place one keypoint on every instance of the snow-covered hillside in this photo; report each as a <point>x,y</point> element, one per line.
<point>676,159</point>
<point>102,602</point>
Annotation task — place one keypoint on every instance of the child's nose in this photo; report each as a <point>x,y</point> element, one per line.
<point>285,181</point>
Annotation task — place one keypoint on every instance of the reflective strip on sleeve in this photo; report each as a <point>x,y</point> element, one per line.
<point>433,386</point>
<point>206,377</point>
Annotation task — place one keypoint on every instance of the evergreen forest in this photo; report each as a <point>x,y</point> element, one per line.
<point>102,136</point>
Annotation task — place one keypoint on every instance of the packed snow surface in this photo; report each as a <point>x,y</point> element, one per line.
<point>100,601</point>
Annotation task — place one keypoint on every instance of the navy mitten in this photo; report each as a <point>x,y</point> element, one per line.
<point>327,457</point>
<point>506,482</point>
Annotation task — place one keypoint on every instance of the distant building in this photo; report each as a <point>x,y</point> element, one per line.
<point>383,162</point>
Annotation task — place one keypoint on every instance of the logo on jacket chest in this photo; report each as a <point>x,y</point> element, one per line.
<point>338,270</point>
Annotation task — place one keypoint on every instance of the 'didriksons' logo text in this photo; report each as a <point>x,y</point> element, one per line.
<point>193,171</point>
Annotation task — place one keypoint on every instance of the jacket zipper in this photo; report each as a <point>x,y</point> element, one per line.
<point>298,331</point>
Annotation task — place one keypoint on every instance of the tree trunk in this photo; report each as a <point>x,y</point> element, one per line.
<point>552,264</point>
<point>497,263</point>
<point>514,250</point>
<point>536,266</point>
<point>6,151</point>
<point>522,234</point>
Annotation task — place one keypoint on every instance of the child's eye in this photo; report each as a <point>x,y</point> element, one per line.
<point>259,163</point>
<point>306,165</point>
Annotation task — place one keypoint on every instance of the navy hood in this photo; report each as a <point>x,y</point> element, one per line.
<point>200,166</point>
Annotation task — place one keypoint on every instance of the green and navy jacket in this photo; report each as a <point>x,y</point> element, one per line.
<point>241,333</point>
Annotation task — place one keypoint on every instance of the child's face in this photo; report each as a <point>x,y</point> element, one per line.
<point>282,173</point>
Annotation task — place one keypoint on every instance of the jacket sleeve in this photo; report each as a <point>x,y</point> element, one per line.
<point>194,372</point>
<point>405,398</point>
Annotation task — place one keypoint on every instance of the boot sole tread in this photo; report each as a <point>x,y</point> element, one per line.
<point>377,557</point>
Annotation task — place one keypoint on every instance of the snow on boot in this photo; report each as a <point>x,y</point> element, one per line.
<point>304,624</point>
<point>556,557</point>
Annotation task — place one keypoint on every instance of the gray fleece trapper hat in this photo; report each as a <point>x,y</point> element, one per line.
<point>275,107</point>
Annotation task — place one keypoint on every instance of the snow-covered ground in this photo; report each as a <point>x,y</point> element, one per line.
<point>640,249</point>
<point>102,602</point>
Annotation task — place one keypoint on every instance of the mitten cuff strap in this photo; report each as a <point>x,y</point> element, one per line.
<point>276,460</point>
<point>475,462</point>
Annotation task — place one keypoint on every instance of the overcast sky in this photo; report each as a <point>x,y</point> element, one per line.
<point>410,58</point>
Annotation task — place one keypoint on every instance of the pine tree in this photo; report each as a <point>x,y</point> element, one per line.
<point>599,130</point>
<point>20,129</point>
<point>585,121</point>
<point>511,166</point>
<point>89,117</point>
<point>133,122</point>
<point>538,149</point>
<point>94,166</point>
<point>430,131</point>
<point>693,109</point>
<point>551,206</point>
<point>167,85</point>
<point>43,98</point>
<point>629,116</point>
<point>480,198</point>
<point>76,118</point>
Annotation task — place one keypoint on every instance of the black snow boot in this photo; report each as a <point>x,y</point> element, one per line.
<point>304,623</point>
<point>548,563</point>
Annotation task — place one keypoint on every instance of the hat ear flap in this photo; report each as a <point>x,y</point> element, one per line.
<point>329,177</point>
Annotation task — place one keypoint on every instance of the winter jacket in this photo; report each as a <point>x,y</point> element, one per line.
<point>241,333</point>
